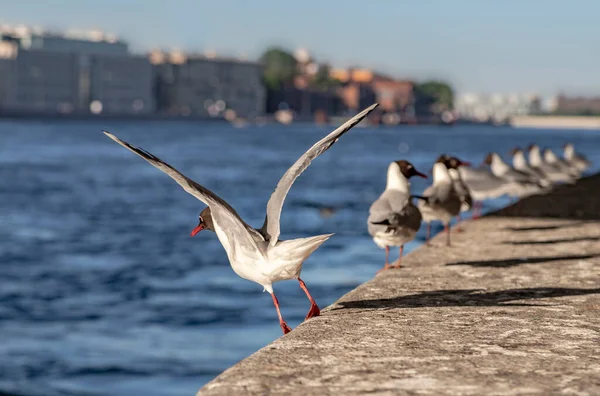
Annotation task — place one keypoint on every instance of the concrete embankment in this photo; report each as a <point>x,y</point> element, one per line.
<point>512,308</point>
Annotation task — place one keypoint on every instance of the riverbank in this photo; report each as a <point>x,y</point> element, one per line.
<point>556,122</point>
<point>513,307</point>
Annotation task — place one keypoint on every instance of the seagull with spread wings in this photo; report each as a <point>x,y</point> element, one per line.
<point>258,254</point>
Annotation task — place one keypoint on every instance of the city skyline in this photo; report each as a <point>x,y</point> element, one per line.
<point>484,48</point>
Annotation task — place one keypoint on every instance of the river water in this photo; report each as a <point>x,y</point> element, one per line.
<point>103,292</point>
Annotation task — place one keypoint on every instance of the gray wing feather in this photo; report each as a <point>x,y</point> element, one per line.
<point>441,196</point>
<point>221,211</point>
<point>518,176</point>
<point>270,228</point>
<point>480,179</point>
<point>463,193</point>
<point>395,207</point>
<point>438,193</point>
<point>388,203</point>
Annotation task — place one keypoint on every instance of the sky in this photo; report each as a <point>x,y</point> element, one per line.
<point>481,46</point>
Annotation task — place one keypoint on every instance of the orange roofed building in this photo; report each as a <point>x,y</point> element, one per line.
<point>360,84</point>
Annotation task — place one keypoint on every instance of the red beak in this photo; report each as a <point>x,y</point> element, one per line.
<point>196,230</point>
<point>465,163</point>
<point>417,173</point>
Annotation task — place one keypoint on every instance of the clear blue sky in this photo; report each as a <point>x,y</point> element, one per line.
<point>503,46</point>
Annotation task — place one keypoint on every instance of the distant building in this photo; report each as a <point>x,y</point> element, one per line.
<point>120,85</point>
<point>46,82</point>
<point>8,67</point>
<point>78,72</point>
<point>393,95</point>
<point>362,87</point>
<point>83,43</point>
<point>577,105</point>
<point>357,95</point>
<point>202,86</point>
<point>305,101</point>
<point>495,107</point>
<point>42,82</point>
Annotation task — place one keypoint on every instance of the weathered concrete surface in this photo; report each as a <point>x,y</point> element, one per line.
<point>513,308</point>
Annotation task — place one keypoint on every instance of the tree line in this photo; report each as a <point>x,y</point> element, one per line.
<point>281,67</point>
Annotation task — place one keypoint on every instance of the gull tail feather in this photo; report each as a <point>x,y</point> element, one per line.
<point>299,248</point>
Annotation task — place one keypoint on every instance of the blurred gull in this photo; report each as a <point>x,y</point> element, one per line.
<point>520,163</point>
<point>553,173</point>
<point>466,201</point>
<point>441,200</point>
<point>520,184</point>
<point>560,164</point>
<point>578,161</point>
<point>482,185</point>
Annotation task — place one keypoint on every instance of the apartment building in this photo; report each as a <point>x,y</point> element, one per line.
<point>204,86</point>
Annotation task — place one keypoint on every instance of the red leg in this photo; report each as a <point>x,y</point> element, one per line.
<point>428,233</point>
<point>458,222</point>
<point>314,308</point>
<point>399,258</point>
<point>286,329</point>
<point>387,260</point>
<point>447,229</point>
<point>477,210</point>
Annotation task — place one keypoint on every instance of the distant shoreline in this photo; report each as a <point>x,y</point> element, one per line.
<point>525,121</point>
<point>556,122</point>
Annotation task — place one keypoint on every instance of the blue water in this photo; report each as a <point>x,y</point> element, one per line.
<point>103,292</point>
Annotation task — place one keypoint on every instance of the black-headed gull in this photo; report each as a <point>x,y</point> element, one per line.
<point>560,163</point>
<point>441,200</point>
<point>482,185</point>
<point>520,184</point>
<point>520,163</point>
<point>576,160</point>
<point>466,201</point>
<point>393,219</point>
<point>258,254</point>
<point>552,171</point>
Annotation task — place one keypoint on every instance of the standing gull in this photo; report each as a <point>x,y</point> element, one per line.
<point>520,163</point>
<point>441,200</point>
<point>561,164</point>
<point>466,201</point>
<point>578,161</point>
<point>258,254</point>
<point>393,219</point>
<point>482,185</point>
<point>520,184</point>
<point>552,171</point>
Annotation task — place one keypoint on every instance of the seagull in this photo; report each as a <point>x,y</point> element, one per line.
<point>576,160</point>
<point>393,219</point>
<point>560,164</point>
<point>520,163</point>
<point>482,185</point>
<point>466,201</point>
<point>441,201</point>
<point>552,171</point>
<point>258,255</point>
<point>520,184</point>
